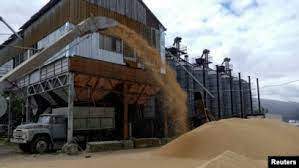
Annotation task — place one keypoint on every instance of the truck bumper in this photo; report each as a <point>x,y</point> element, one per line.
<point>18,141</point>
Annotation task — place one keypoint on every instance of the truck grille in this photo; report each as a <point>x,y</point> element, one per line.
<point>18,134</point>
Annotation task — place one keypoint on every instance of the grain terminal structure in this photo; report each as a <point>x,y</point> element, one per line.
<point>94,70</point>
<point>232,95</point>
<point>101,70</point>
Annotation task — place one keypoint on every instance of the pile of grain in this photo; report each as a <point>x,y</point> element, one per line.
<point>253,138</point>
<point>232,160</point>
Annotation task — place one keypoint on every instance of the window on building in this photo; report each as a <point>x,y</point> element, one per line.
<point>110,43</point>
<point>128,52</point>
<point>34,47</point>
<point>18,59</point>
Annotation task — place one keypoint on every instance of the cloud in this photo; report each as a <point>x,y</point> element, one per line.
<point>16,13</point>
<point>261,36</point>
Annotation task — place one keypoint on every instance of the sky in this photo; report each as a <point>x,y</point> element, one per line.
<point>260,36</point>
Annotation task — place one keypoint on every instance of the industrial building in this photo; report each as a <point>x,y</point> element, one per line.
<point>93,70</point>
<point>98,70</point>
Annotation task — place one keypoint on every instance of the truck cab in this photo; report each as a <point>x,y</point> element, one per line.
<point>41,137</point>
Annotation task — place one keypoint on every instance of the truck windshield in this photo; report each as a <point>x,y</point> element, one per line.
<point>44,120</point>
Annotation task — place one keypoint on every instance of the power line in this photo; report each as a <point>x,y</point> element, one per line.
<point>286,83</point>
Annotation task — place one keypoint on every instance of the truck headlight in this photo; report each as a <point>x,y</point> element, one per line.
<point>25,134</point>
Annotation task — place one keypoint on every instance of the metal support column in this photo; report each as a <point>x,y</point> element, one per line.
<point>9,131</point>
<point>71,95</point>
<point>204,84</point>
<point>258,95</point>
<point>165,124</point>
<point>231,92</point>
<point>218,93</point>
<point>250,94</point>
<point>126,115</point>
<point>27,110</point>
<point>241,96</point>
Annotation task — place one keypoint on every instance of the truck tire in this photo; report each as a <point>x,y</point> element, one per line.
<point>40,145</point>
<point>25,148</point>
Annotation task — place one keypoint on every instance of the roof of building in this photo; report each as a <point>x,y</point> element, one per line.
<point>45,9</point>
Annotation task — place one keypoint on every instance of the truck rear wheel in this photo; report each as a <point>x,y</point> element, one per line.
<point>40,145</point>
<point>24,148</point>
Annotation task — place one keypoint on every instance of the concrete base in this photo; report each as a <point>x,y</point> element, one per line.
<point>104,146</point>
<point>147,142</point>
<point>124,144</point>
<point>128,144</point>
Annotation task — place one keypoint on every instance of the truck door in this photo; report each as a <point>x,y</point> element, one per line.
<point>59,128</point>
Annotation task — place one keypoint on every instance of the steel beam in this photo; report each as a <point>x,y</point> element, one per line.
<point>126,115</point>
<point>241,96</point>
<point>250,94</point>
<point>48,85</point>
<point>71,95</point>
<point>258,96</point>
<point>27,110</point>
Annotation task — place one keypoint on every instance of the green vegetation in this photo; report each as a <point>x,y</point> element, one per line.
<point>263,110</point>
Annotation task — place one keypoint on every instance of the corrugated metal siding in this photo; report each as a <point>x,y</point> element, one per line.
<point>130,8</point>
<point>90,117</point>
<point>5,68</point>
<point>76,11</point>
<point>226,95</point>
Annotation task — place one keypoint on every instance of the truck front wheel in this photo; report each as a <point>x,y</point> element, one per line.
<point>40,145</point>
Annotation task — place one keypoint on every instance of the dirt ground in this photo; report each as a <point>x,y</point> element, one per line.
<point>10,157</point>
<point>145,158</point>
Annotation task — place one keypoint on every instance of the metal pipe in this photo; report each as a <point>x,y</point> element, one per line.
<point>250,95</point>
<point>218,93</point>
<point>85,27</point>
<point>241,96</point>
<point>11,29</point>
<point>258,95</point>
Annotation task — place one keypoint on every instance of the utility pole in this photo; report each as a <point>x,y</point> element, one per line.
<point>258,95</point>
<point>218,93</point>
<point>241,96</point>
<point>250,94</point>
